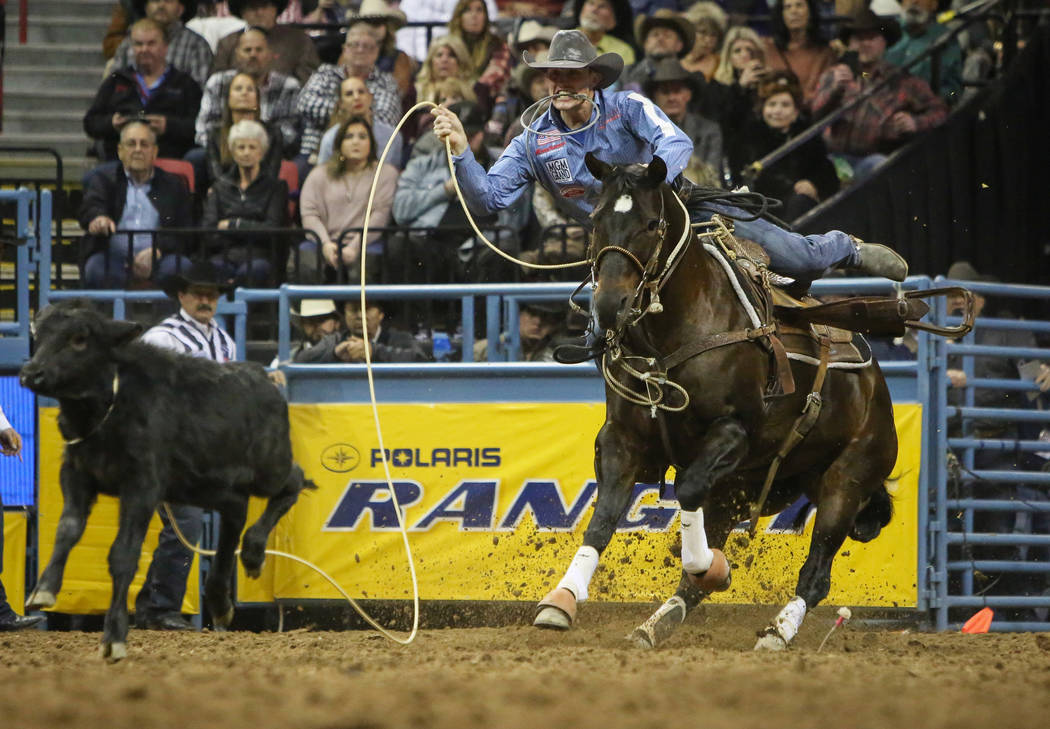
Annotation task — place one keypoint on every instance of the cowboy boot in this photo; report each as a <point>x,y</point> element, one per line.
<point>875,259</point>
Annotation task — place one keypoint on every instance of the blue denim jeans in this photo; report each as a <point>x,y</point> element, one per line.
<point>802,257</point>
<point>165,584</point>
<point>100,273</point>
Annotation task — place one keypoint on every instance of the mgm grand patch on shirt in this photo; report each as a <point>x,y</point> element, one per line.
<point>558,169</point>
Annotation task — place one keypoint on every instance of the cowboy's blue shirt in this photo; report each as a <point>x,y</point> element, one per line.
<point>631,130</point>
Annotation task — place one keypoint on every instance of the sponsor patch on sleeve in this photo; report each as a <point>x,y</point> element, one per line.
<point>572,191</point>
<point>558,169</point>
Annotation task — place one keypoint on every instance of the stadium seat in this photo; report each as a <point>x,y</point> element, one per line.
<point>178,167</point>
<point>290,174</point>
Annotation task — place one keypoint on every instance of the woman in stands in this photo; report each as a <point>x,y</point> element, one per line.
<point>801,179</point>
<point>333,200</point>
<point>732,97</point>
<point>709,21</point>
<point>489,55</point>
<point>242,104</point>
<point>447,58</point>
<point>383,22</point>
<point>797,44</point>
<point>246,199</point>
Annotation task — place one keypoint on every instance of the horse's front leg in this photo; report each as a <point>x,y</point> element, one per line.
<point>704,569</point>
<point>617,459</point>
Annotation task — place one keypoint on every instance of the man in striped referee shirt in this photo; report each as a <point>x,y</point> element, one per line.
<point>191,331</point>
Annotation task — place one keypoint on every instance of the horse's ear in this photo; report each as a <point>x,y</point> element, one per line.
<point>598,168</point>
<point>656,173</point>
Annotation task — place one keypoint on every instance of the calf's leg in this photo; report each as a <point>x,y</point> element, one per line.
<point>78,493</point>
<point>135,514</point>
<point>220,579</point>
<point>253,547</point>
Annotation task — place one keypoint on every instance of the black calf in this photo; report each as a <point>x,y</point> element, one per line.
<point>146,425</point>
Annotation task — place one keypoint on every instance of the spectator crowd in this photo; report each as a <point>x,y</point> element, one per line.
<point>243,119</point>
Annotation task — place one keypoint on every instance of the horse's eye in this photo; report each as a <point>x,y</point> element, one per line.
<point>653,224</point>
<point>78,342</point>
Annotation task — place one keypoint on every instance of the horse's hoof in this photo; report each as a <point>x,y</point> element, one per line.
<point>40,599</point>
<point>557,611</point>
<point>770,641</point>
<point>254,573</point>
<point>718,576</point>
<point>113,652</point>
<point>640,638</point>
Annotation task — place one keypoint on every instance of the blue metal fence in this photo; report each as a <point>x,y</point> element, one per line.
<point>987,471</point>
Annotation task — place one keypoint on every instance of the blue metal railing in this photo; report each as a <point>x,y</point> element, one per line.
<point>957,546</point>
<point>32,225</point>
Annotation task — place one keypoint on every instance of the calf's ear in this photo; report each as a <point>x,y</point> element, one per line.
<point>116,333</point>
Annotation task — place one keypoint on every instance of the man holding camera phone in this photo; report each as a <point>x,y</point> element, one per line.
<point>150,91</point>
<point>903,108</point>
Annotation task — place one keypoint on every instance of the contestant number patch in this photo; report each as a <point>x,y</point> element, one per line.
<point>558,169</point>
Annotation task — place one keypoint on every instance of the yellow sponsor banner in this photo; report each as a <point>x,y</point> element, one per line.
<point>86,587</point>
<point>497,496</point>
<point>13,577</point>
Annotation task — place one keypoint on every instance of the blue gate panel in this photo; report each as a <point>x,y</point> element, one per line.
<point>17,477</point>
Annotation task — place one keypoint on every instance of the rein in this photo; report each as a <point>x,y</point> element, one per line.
<point>116,388</point>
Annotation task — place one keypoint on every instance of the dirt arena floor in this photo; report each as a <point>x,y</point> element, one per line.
<point>519,677</point>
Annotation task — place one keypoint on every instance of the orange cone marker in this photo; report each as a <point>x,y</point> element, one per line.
<point>980,622</point>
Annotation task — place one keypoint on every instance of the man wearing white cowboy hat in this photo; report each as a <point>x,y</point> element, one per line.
<point>623,128</point>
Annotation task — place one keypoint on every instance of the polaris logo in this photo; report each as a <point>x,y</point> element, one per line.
<point>438,457</point>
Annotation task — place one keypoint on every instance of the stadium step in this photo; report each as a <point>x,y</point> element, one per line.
<point>54,78</point>
<point>17,121</point>
<point>66,144</point>
<point>58,8</point>
<point>48,100</point>
<point>59,55</point>
<point>66,28</point>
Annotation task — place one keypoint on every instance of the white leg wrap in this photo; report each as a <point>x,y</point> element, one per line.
<point>696,555</point>
<point>578,577</point>
<point>789,620</point>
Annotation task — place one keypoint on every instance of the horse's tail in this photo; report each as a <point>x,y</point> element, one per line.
<point>873,517</point>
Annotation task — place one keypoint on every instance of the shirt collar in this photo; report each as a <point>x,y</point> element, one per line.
<point>205,329</point>
<point>131,180</point>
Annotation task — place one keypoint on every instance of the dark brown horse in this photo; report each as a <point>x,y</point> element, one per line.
<point>719,428</point>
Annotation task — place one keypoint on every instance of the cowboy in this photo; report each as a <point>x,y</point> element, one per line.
<point>663,34</point>
<point>191,331</point>
<point>624,128</point>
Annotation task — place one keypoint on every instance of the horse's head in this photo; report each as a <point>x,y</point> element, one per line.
<point>629,228</point>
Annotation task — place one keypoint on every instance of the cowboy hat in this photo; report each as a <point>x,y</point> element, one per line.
<point>571,49</point>
<point>189,9</point>
<point>377,11</point>
<point>199,273</point>
<point>314,307</point>
<point>867,21</point>
<point>530,31</point>
<point>670,69</point>
<point>523,75</point>
<point>665,18</point>
<point>237,6</point>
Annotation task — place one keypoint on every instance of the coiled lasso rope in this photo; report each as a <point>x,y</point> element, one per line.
<point>372,393</point>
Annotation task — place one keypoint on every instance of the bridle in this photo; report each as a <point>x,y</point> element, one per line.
<point>653,279</point>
